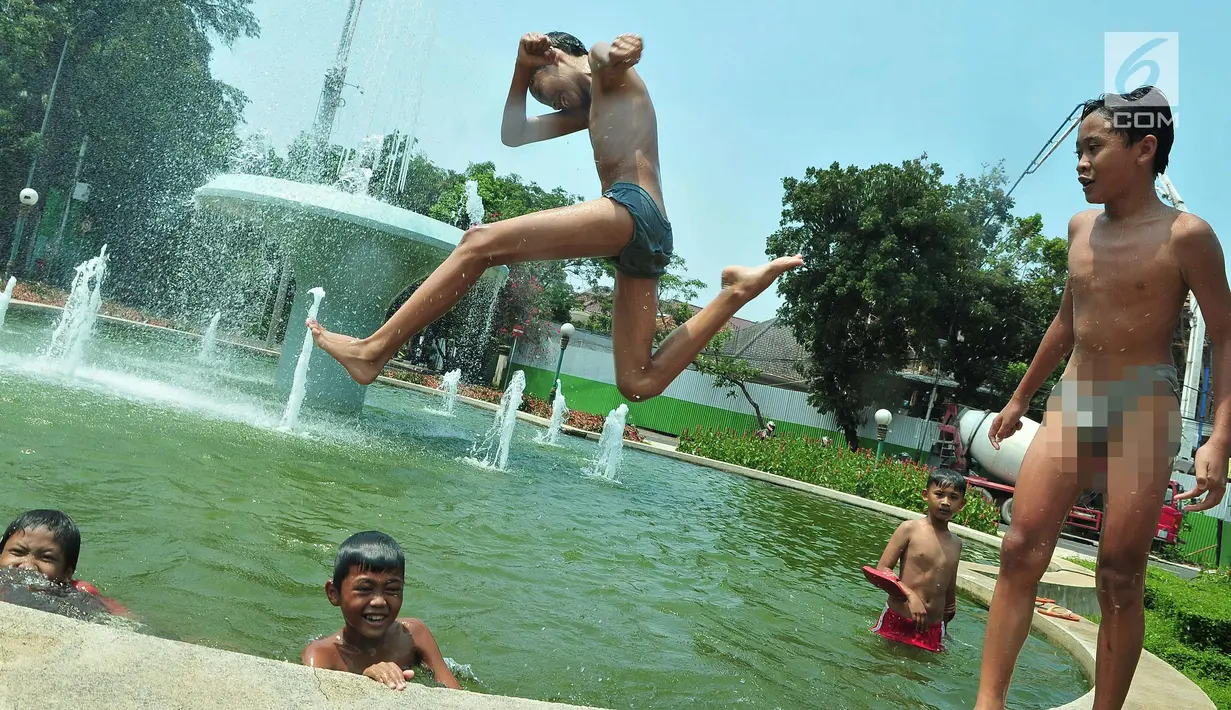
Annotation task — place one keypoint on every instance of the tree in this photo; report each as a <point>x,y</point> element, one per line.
<point>729,373</point>
<point>884,249</point>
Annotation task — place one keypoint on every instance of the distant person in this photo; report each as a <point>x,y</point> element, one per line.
<point>597,90</point>
<point>767,432</point>
<point>48,542</point>
<point>368,575</point>
<point>1113,421</point>
<point>928,555</point>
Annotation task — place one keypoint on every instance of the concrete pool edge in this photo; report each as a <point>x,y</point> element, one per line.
<point>1154,681</point>
<point>100,666</point>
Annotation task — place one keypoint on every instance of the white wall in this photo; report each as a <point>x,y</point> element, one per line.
<point>589,357</point>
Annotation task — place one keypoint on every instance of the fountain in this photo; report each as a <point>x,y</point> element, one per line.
<point>80,312</point>
<point>559,412</point>
<point>291,416</point>
<point>362,251</point>
<point>448,385</point>
<point>474,203</point>
<point>209,340</point>
<point>494,447</point>
<point>610,445</point>
<point>5,298</point>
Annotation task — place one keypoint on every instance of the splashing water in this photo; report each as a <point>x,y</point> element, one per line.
<point>448,385</point>
<point>474,203</point>
<point>494,448</point>
<point>610,445</point>
<point>5,298</point>
<point>80,312</point>
<point>209,340</point>
<point>298,388</point>
<point>355,175</point>
<point>559,412</point>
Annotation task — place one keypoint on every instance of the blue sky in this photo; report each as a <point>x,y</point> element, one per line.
<point>746,96</point>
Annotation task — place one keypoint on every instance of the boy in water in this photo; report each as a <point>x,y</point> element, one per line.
<point>929,554</point>
<point>367,585</point>
<point>48,542</point>
<point>597,90</point>
<point>45,541</point>
<point>1113,420</point>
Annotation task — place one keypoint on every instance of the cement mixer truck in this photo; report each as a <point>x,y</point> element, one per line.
<point>964,446</point>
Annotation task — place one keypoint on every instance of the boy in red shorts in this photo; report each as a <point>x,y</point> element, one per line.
<point>928,554</point>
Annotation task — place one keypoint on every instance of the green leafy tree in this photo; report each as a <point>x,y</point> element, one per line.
<point>883,252</point>
<point>675,293</point>
<point>730,373</point>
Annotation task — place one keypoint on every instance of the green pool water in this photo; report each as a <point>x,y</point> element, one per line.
<point>679,587</point>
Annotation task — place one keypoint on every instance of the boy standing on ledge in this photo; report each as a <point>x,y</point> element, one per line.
<point>1113,420</point>
<point>597,90</point>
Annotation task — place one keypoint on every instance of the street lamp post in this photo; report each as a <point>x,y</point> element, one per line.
<point>566,332</point>
<point>883,419</point>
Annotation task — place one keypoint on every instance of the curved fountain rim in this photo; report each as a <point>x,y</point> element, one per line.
<point>361,210</point>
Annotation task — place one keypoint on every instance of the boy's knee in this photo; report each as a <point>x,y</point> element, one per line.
<point>638,387</point>
<point>1120,579</point>
<point>1024,554</point>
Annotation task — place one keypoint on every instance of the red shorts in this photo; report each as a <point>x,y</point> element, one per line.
<point>112,605</point>
<point>896,627</point>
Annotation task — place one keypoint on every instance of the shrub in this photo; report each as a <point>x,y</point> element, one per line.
<point>894,482</point>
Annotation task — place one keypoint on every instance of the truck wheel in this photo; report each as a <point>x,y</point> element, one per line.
<point>1006,511</point>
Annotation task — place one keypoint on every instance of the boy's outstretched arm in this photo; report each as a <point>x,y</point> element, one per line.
<point>1201,262</point>
<point>895,548</point>
<point>516,128</point>
<point>1057,342</point>
<point>425,643</point>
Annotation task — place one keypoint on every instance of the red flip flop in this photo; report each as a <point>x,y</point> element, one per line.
<point>1059,612</point>
<point>886,581</point>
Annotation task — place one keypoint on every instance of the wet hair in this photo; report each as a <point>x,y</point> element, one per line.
<point>372,551</point>
<point>63,530</point>
<point>1134,119</point>
<point>947,478</point>
<point>566,43</point>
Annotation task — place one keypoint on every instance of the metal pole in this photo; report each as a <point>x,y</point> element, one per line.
<point>555,380</point>
<point>1205,382</point>
<point>284,283</point>
<point>1218,546</point>
<point>68,203</point>
<point>51,99</point>
<point>508,372</point>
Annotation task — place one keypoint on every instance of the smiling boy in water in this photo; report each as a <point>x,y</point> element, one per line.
<point>928,554</point>
<point>368,575</point>
<point>1113,420</point>
<point>598,90</point>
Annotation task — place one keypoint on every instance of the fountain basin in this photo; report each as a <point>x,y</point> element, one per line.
<point>719,590</point>
<point>361,251</point>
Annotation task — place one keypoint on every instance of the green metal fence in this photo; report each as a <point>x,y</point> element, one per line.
<point>1205,541</point>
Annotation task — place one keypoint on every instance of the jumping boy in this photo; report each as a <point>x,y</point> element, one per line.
<point>1113,420</point>
<point>368,574</point>
<point>597,90</point>
<point>928,554</point>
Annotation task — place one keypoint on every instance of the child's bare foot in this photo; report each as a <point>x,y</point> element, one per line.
<point>355,355</point>
<point>747,282</point>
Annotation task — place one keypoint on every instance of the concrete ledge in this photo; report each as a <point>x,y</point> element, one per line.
<point>49,661</point>
<point>1155,685</point>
